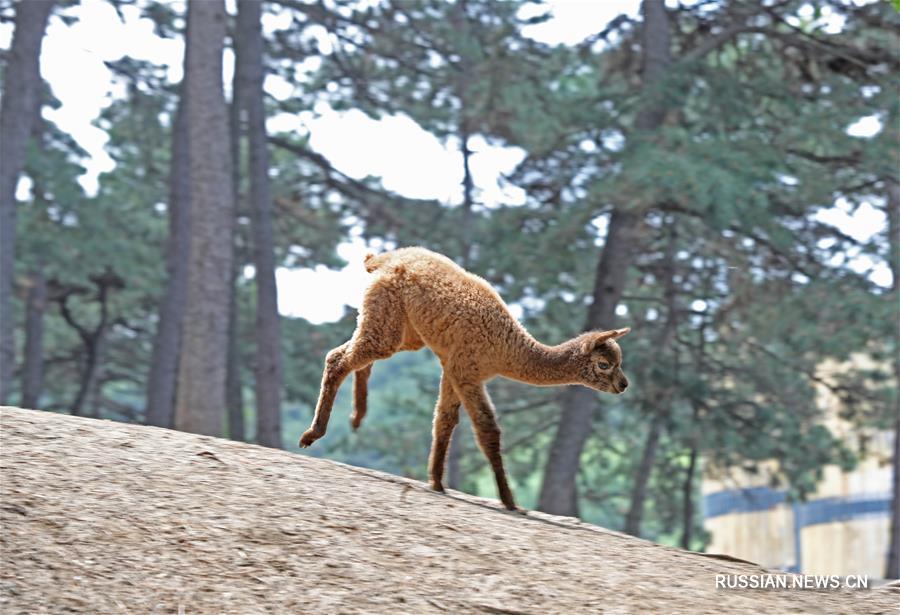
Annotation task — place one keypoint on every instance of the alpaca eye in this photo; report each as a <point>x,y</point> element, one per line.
<point>603,366</point>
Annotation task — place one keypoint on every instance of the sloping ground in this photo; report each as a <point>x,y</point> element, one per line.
<point>103,517</point>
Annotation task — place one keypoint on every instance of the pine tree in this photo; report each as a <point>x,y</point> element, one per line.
<point>16,118</point>
<point>201,377</point>
<point>161,391</point>
<point>251,98</point>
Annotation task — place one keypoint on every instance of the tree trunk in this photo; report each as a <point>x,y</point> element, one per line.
<point>662,398</point>
<point>465,248</point>
<point>558,494</point>
<point>33,368</point>
<point>892,570</point>
<point>89,387</point>
<point>35,289</point>
<point>462,85</point>
<point>93,340</point>
<point>204,348</point>
<point>87,371</point>
<point>639,490</point>
<point>94,388</point>
<point>16,117</point>
<point>234,387</point>
<point>167,343</point>
<point>687,501</point>
<point>456,453</point>
<point>267,368</point>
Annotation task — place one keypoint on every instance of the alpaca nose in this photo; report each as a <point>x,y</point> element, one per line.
<point>623,384</point>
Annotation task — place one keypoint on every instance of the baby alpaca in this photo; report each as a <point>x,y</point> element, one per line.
<point>420,298</point>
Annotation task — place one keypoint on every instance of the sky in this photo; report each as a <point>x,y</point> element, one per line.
<point>419,166</point>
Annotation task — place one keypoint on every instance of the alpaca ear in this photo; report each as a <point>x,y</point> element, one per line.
<point>595,339</point>
<point>621,332</point>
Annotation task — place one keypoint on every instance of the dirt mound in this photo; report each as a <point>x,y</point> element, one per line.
<point>104,517</point>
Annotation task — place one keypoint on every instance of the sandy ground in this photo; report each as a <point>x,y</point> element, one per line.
<point>103,517</point>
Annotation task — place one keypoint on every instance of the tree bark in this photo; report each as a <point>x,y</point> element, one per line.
<point>167,343</point>
<point>33,368</point>
<point>892,569</point>
<point>16,117</point>
<point>558,495</point>
<point>267,367</point>
<point>204,349</point>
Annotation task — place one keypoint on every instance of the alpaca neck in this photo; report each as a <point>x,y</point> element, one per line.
<point>543,365</point>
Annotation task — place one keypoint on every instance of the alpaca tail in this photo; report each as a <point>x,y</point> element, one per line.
<point>373,262</point>
<point>384,261</point>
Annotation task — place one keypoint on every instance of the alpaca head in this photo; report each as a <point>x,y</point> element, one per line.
<point>600,361</point>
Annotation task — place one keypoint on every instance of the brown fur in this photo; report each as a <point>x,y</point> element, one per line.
<point>420,298</point>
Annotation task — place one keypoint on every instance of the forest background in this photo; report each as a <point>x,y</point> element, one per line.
<point>722,177</point>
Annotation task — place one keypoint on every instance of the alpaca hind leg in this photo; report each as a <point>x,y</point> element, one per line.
<point>446,417</point>
<point>487,432</point>
<point>360,395</point>
<point>377,336</point>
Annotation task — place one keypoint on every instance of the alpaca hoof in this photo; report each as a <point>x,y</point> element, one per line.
<point>308,437</point>
<point>437,487</point>
<point>355,422</point>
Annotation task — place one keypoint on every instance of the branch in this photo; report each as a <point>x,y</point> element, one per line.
<point>714,42</point>
<point>322,162</point>
<point>847,159</point>
<point>67,315</point>
<point>837,389</point>
<point>357,189</point>
<point>671,206</point>
<point>352,187</point>
<point>842,51</point>
<point>482,462</point>
<point>619,22</point>
<point>795,38</point>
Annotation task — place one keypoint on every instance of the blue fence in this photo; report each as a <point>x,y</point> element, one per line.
<point>815,512</point>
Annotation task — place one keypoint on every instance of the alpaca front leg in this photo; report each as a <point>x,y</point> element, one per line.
<point>335,372</point>
<point>446,418</point>
<point>487,432</point>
